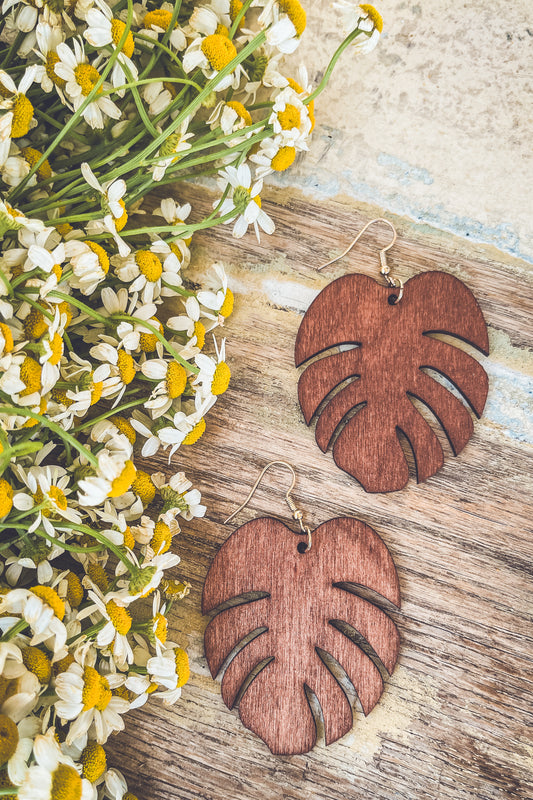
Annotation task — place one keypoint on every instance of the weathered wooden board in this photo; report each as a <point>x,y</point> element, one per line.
<point>455,720</point>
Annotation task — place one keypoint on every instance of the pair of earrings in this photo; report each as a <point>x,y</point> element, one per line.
<point>291,619</point>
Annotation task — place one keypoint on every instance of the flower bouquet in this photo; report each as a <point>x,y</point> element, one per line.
<point>99,104</point>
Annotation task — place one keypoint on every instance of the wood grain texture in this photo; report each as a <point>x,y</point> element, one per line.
<point>301,602</point>
<point>394,347</point>
<point>455,719</point>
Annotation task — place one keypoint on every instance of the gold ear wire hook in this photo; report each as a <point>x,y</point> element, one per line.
<point>385,269</point>
<point>296,513</point>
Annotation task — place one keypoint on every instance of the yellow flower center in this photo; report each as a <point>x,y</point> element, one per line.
<point>182,666</point>
<point>148,341</point>
<point>98,576</point>
<point>222,30</point>
<point>160,628</point>
<point>290,117</point>
<point>66,783</point>
<point>283,158</point>
<point>60,396</point>
<point>196,432</point>
<point>125,427</point>
<point>57,347</point>
<point>176,380</point>
<point>96,692</point>
<point>74,589</point>
<point>199,332</point>
<point>6,497</point>
<point>51,598</point>
<point>162,538</point>
<point>57,270</point>
<point>119,616</point>
<point>96,391</point>
<point>63,664</point>
<point>374,15</point>
<point>57,496</point>
<point>129,539</point>
<point>159,18</point>
<point>235,7</point>
<point>30,375</point>
<point>218,50</point>
<point>241,111</point>
<point>32,156</point>
<point>35,661</point>
<point>221,378</point>
<point>175,589</point>
<point>149,265</point>
<point>295,13</point>
<point>22,116</point>
<point>9,738</point>
<point>65,309</point>
<point>35,324</point>
<point>117,30</point>
<point>144,487</point>
<point>130,796</point>
<point>126,366</point>
<point>87,77</point>
<point>8,337</point>
<point>51,60</point>
<point>103,258</point>
<point>120,222</point>
<point>64,228</point>
<point>94,761</point>
<point>227,306</point>
<point>121,484</point>
<point>311,107</point>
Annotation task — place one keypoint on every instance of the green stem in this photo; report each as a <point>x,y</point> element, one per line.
<point>335,57</point>
<point>25,412</point>
<point>111,413</point>
<point>17,628</point>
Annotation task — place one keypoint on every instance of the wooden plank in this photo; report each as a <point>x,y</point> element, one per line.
<point>454,722</point>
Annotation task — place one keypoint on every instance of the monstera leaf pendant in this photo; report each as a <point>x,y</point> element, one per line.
<point>394,350</point>
<point>291,619</point>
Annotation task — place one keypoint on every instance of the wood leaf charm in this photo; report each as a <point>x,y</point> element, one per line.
<point>387,369</point>
<point>295,623</point>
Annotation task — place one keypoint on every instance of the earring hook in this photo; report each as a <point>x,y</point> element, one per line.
<point>385,269</point>
<point>296,512</point>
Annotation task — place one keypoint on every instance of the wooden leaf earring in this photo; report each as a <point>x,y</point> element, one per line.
<point>292,608</point>
<point>394,332</point>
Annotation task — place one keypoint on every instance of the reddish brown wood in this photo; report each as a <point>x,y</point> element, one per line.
<point>301,600</point>
<point>387,369</point>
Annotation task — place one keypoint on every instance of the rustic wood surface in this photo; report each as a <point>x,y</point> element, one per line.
<point>300,597</point>
<point>455,720</point>
<point>387,369</point>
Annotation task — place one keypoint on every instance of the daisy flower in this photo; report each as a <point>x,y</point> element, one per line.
<point>366,18</point>
<point>171,150</point>
<point>43,610</point>
<point>211,54</point>
<point>48,38</point>
<point>244,199</point>
<point>80,79</point>
<point>89,262</point>
<point>17,119</point>
<point>290,119</point>
<point>116,472</point>
<point>38,557</point>
<point>219,301</point>
<point>214,375</point>
<point>180,498</point>
<point>86,699</point>
<point>156,22</point>
<point>190,323</point>
<point>146,270</point>
<point>117,625</point>
<point>47,485</point>
<point>286,21</point>
<point>170,668</point>
<point>275,155</point>
<point>174,214</point>
<point>104,30</point>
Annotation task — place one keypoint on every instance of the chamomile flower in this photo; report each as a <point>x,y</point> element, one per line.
<point>43,610</point>
<point>111,200</point>
<point>232,116</point>
<point>86,699</point>
<point>286,21</point>
<point>170,668</point>
<point>180,498</point>
<point>212,54</point>
<point>172,377</point>
<point>190,323</point>
<point>290,119</point>
<point>80,79</point>
<point>54,774</point>
<point>48,38</point>
<point>214,375</point>
<point>366,18</point>
<point>115,474</point>
<point>156,22</point>
<point>217,301</point>
<point>171,150</point>
<point>33,556</point>
<point>104,30</point>
<point>48,487</point>
<point>147,270</point>
<point>275,155</point>
<point>118,622</point>
<point>89,262</point>
<point>243,198</point>
<point>17,111</point>
<point>173,213</point>
<point>210,18</point>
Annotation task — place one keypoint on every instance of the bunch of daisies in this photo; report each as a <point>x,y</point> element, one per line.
<point>103,339</point>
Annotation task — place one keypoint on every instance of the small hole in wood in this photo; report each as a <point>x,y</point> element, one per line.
<point>393,298</point>
<point>302,547</point>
